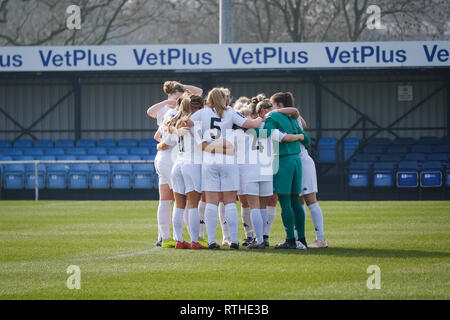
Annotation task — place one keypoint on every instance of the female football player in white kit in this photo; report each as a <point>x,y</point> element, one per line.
<point>220,173</point>
<point>165,157</point>
<point>186,173</point>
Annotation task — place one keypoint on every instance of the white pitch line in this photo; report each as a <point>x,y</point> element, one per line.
<point>119,256</point>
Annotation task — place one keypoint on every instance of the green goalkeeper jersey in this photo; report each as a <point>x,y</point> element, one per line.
<point>286,124</point>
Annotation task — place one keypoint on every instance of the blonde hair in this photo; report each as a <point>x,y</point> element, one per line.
<point>254,102</point>
<point>172,87</point>
<point>264,104</point>
<point>188,103</point>
<point>227,94</point>
<point>216,102</point>
<point>240,103</point>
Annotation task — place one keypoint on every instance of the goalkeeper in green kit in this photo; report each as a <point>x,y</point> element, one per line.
<point>287,182</point>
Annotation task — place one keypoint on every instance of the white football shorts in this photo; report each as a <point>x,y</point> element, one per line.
<point>220,177</point>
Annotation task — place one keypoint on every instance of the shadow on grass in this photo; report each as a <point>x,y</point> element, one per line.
<point>359,252</point>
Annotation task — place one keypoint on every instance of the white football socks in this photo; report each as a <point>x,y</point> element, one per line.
<point>186,216</point>
<point>211,222</point>
<point>164,218</point>
<point>201,213</point>
<point>194,224</point>
<point>264,217</point>
<point>232,217</point>
<point>271,212</point>
<point>258,225</point>
<point>317,218</point>
<point>178,223</point>
<point>247,222</point>
<point>223,222</point>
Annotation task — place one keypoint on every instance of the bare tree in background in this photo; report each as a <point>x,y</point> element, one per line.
<point>43,22</point>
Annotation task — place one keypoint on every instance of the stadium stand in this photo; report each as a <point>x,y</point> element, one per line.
<point>14,176</point>
<point>326,149</point>
<point>30,176</point>
<point>358,175</point>
<point>78,176</point>
<point>383,174</point>
<point>408,174</point>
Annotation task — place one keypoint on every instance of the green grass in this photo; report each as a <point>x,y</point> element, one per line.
<point>113,244</point>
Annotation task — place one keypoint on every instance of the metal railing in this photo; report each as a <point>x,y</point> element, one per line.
<point>38,162</point>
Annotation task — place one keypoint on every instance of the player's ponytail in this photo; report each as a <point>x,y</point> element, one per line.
<point>216,101</point>
<point>188,102</point>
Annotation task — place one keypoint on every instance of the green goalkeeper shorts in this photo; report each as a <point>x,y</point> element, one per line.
<point>288,178</point>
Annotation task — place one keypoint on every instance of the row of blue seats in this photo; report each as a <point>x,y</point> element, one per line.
<point>326,147</point>
<point>401,149</point>
<point>405,174</point>
<point>81,143</point>
<point>421,157</point>
<point>81,176</point>
<point>118,151</point>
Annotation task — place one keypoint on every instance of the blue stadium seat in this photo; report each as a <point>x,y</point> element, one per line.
<point>383,174</point>
<point>30,176</point>
<point>404,141</point>
<point>100,151</point>
<point>106,143</point>
<point>350,146</point>
<point>108,157</point>
<point>14,176</point>
<point>13,153</point>
<point>76,151</point>
<point>57,176</point>
<point>99,176</point>
<point>24,158</point>
<point>358,175</point>
<point>149,157</point>
<point>148,143</point>
<point>419,157</point>
<point>5,144</point>
<point>141,151</point>
<point>66,157</point>
<point>143,176</point>
<point>421,148</point>
<point>391,157</point>
<point>445,140</point>
<point>78,176</point>
<point>447,175</point>
<point>54,151</point>
<point>327,150</point>
<point>43,144</point>
<point>442,149</point>
<point>121,176</point>
<point>88,157</point>
<point>85,143</point>
<point>431,174</point>
<point>375,149</point>
<point>379,142</point>
<point>408,174</point>
<point>24,143</point>
<point>46,158</point>
<point>127,143</point>
<point>33,152</point>
<point>64,143</point>
<point>398,149</point>
<point>429,140</point>
<point>118,151</point>
<point>362,157</point>
<point>130,157</point>
<point>442,157</point>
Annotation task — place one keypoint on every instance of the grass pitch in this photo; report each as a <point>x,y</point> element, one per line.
<point>113,244</point>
